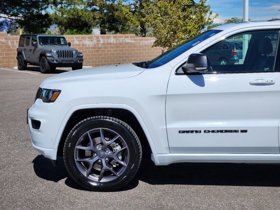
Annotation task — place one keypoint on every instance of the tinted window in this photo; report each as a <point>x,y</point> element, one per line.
<point>176,51</point>
<point>27,41</point>
<point>52,40</point>
<point>246,52</point>
<point>21,41</point>
<point>34,39</point>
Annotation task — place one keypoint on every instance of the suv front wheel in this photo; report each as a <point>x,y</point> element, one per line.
<point>102,153</point>
<point>78,66</point>
<point>44,65</point>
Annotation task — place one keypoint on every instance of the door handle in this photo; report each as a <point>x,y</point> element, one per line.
<point>262,82</point>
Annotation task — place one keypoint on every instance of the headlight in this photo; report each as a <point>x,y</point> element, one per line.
<point>80,54</point>
<point>49,54</point>
<point>47,95</point>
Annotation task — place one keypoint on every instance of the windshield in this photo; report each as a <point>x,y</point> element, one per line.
<point>176,51</point>
<point>52,40</point>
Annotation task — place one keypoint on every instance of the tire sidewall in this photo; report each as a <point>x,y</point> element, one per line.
<point>21,63</point>
<point>47,68</point>
<point>79,66</point>
<point>129,138</point>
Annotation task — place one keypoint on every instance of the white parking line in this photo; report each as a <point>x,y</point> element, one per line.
<point>14,69</point>
<point>25,72</point>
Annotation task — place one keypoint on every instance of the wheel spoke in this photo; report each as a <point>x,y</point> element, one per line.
<point>88,160</point>
<point>122,149</point>
<point>112,170</point>
<point>89,169</point>
<point>112,140</point>
<point>83,147</point>
<point>101,173</point>
<point>102,136</point>
<point>91,142</point>
<point>119,161</point>
<point>115,156</point>
<point>105,167</point>
<point>83,160</point>
<point>90,139</point>
<point>108,168</point>
<point>91,162</point>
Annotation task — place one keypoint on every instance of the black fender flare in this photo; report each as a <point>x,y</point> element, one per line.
<point>21,53</point>
<point>43,53</point>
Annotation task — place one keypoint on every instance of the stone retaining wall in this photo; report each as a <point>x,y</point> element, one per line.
<point>98,50</point>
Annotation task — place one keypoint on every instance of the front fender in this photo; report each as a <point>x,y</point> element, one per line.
<point>107,106</point>
<point>21,52</point>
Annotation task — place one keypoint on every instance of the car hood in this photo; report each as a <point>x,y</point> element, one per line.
<point>57,47</point>
<point>98,73</point>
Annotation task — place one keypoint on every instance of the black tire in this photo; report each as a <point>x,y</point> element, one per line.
<point>79,66</point>
<point>22,65</point>
<point>44,65</point>
<point>53,68</point>
<point>85,165</point>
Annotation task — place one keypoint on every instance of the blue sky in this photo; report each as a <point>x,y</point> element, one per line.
<point>258,9</point>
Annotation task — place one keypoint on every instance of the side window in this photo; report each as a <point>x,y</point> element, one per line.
<point>277,64</point>
<point>27,41</point>
<point>225,47</point>
<point>34,39</point>
<point>248,52</point>
<point>21,41</point>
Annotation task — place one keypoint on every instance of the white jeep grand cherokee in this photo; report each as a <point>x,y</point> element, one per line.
<point>215,98</point>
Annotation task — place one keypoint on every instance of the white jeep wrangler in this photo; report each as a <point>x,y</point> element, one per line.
<point>191,104</point>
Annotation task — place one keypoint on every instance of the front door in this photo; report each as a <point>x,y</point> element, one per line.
<point>34,52</point>
<point>27,48</point>
<point>235,106</point>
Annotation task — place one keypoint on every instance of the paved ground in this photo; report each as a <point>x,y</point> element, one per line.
<point>29,181</point>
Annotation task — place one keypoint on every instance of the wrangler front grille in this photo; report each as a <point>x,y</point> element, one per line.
<point>64,54</point>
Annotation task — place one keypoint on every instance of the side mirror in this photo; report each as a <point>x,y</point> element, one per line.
<point>34,43</point>
<point>69,44</point>
<point>197,63</point>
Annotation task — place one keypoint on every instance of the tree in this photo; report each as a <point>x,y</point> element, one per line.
<point>79,16</point>
<point>233,20</point>
<point>111,16</point>
<point>115,16</point>
<point>27,14</point>
<point>176,21</point>
<point>72,16</point>
<point>139,13</point>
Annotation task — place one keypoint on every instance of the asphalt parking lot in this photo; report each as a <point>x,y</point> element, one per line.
<point>29,181</point>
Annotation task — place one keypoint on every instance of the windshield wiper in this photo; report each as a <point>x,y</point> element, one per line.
<point>143,64</point>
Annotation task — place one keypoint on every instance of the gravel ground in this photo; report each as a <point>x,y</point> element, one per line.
<point>29,181</point>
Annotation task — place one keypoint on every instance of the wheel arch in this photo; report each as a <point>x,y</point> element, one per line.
<point>119,113</point>
<point>21,52</point>
<point>42,54</point>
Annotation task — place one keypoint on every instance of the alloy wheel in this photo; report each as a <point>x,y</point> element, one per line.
<point>101,155</point>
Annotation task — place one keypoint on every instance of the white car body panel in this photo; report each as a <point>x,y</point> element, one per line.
<point>165,103</point>
<point>94,92</point>
<point>216,102</point>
